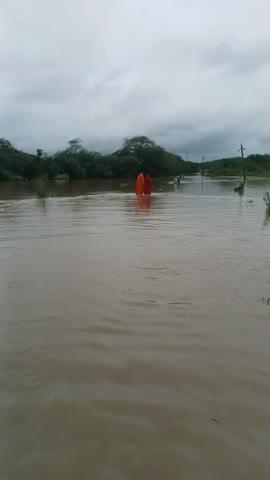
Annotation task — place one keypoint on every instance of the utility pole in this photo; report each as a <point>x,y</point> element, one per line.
<point>242,149</point>
<point>202,173</point>
<point>203,160</point>
<point>241,187</point>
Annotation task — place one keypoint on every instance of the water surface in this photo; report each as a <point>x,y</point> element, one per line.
<point>134,335</point>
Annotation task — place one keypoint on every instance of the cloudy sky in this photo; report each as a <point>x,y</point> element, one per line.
<point>194,75</point>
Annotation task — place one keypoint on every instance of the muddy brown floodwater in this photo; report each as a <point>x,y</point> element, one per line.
<point>135,336</point>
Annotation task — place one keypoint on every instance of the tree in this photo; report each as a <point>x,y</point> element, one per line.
<point>30,170</point>
<point>53,169</point>
<point>75,145</point>
<point>73,169</point>
<point>136,144</point>
<point>151,157</point>
<point>136,154</point>
<point>5,144</point>
<point>4,175</point>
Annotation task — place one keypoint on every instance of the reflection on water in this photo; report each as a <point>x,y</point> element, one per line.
<point>134,343</point>
<point>143,202</point>
<point>267,218</point>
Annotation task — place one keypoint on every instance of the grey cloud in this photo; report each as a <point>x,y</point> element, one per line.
<point>238,58</point>
<point>192,75</point>
<point>175,128</point>
<point>106,85</point>
<point>49,87</point>
<point>211,145</point>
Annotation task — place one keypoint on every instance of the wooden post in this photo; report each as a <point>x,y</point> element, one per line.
<point>244,164</point>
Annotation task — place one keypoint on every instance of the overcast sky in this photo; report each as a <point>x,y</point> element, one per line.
<point>194,75</point>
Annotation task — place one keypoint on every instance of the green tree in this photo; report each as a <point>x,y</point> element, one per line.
<point>30,170</point>
<point>5,144</point>
<point>136,154</point>
<point>75,145</point>
<point>4,176</point>
<point>39,153</point>
<point>137,144</point>
<point>151,157</point>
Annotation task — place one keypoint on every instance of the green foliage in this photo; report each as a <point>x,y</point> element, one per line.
<point>148,156</point>
<point>75,145</point>
<point>5,145</point>
<point>135,145</point>
<point>42,187</point>
<point>4,176</point>
<point>136,154</point>
<point>122,165</point>
<point>53,169</point>
<point>16,163</point>
<point>254,164</point>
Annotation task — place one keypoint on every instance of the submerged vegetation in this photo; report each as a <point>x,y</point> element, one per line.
<point>42,187</point>
<point>267,202</point>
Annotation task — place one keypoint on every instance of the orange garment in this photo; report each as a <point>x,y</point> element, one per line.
<point>139,188</point>
<point>147,185</point>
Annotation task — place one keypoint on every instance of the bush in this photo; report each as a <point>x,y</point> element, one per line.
<point>4,175</point>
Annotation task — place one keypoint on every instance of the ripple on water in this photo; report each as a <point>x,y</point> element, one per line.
<point>132,342</point>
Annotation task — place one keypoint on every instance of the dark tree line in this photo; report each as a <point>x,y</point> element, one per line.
<point>135,155</point>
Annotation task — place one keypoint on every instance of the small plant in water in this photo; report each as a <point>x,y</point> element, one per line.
<point>240,188</point>
<point>267,201</point>
<point>42,187</point>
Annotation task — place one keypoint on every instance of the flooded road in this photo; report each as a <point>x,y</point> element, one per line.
<point>135,336</point>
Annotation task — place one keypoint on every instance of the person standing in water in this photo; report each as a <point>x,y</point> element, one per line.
<point>148,184</point>
<point>140,181</point>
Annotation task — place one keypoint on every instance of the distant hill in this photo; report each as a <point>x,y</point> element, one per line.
<point>254,164</point>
